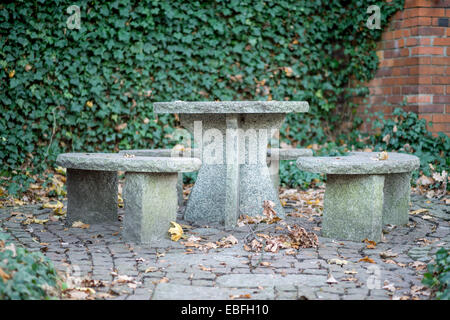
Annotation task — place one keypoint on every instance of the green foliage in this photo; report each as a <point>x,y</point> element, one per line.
<point>438,275</point>
<point>92,89</point>
<point>405,132</point>
<point>31,273</point>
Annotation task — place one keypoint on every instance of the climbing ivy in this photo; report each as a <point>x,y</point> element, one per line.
<point>91,89</point>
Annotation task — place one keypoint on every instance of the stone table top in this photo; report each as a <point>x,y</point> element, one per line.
<point>360,163</point>
<point>221,107</point>
<point>121,162</point>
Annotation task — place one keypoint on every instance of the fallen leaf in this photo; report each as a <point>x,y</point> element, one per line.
<point>240,296</point>
<point>4,275</point>
<point>383,155</point>
<point>80,224</point>
<point>34,220</point>
<point>389,286</point>
<point>418,211</point>
<point>175,232</point>
<point>350,272</point>
<point>366,259</point>
<point>337,261</point>
<point>388,254</point>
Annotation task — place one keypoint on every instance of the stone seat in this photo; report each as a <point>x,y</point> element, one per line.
<point>149,193</point>
<point>363,193</point>
<point>272,156</point>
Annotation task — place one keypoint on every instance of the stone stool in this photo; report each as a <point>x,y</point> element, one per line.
<point>363,193</point>
<point>149,193</point>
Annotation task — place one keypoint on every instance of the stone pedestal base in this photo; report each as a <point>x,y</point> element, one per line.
<point>150,201</point>
<point>353,207</point>
<point>92,196</point>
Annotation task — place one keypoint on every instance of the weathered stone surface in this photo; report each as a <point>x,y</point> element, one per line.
<point>207,201</point>
<point>289,154</point>
<point>92,196</point>
<point>274,155</point>
<point>353,207</point>
<point>230,107</point>
<point>360,164</point>
<point>232,171</point>
<point>397,190</point>
<point>150,204</point>
<point>119,162</point>
<point>269,280</point>
<point>169,291</point>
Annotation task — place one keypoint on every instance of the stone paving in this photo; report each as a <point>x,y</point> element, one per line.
<point>169,270</point>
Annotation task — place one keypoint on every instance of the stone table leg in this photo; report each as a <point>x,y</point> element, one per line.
<point>353,207</point>
<point>92,196</point>
<point>212,197</point>
<point>397,190</point>
<point>150,201</point>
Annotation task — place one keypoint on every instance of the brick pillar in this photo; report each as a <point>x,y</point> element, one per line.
<point>414,63</point>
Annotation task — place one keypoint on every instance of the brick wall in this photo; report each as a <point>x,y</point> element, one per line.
<point>415,63</point>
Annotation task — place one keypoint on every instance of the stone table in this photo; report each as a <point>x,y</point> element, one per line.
<point>231,138</point>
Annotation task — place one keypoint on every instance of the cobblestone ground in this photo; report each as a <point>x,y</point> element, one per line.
<point>168,270</point>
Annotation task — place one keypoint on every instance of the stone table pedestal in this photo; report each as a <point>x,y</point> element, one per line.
<point>231,139</point>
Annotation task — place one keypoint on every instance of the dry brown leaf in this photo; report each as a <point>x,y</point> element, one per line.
<point>80,224</point>
<point>418,211</point>
<point>388,254</point>
<point>151,269</point>
<point>366,259</point>
<point>5,277</point>
<point>240,296</point>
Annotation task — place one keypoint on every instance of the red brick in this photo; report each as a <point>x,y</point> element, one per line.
<point>398,33</point>
<point>424,80</point>
<point>384,72</point>
<point>431,108</point>
<point>425,41</point>
<point>426,70</point>
<point>428,31</point>
<point>418,3</point>
<point>441,42</point>
<point>399,71</point>
<point>440,127</point>
<point>410,90</point>
<point>397,90</point>
<point>441,118</point>
<point>411,42</point>
<point>441,99</point>
<point>431,89</point>
<point>432,12</point>
<point>427,117</point>
<point>419,99</point>
<point>445,61</point>
<point>441,80</point>
<point>427,51</point>
<point>380,90</point>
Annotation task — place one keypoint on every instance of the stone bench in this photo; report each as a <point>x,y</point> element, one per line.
<point>149,193</point>
<point>272,156</point>
<point>363,193</point>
